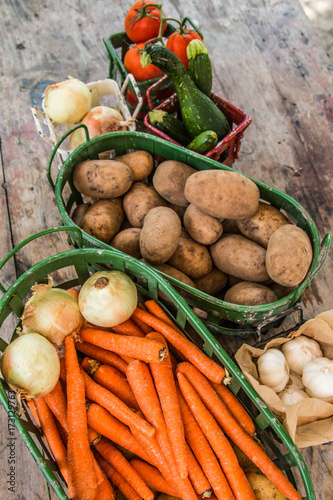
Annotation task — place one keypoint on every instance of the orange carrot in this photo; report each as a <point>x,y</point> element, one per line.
<point>128,327</point>
<point>237,480</point>
<point>197,476</point>
<point>105,490</point>
<point>212,370</point>
<point>235,407</point>
<point>166,389</point>
<point>110,378</point>
<point>56,401</point>
<point>235,432</point>
<point>80,465</point>
<point>143,326</point>
<point>155,309</point>
<point>119,462</point>
<point>135,347</point>
<point>153,477</point>
<point>74,292</point>
<point>32,408</point>
<point>114,405</point>
<point>110,427</point>
<point>102,355</point>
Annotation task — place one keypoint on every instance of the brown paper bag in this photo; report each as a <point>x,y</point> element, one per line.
<point>309,422</point>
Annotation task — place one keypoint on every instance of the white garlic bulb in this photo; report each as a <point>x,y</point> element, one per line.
<point>318,378</point>
<point>273,369</point>
<point>290,396</point>
<point>299,351</point>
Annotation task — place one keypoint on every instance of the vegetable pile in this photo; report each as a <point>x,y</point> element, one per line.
<point>138,408</point>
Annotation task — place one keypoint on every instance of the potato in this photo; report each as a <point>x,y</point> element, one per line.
<point>191,258</point>
<point>79,212</point>
<point>175,273</point>
<point>230,226</point>
<point>281,291</point>
<point>103,219</point>
<point>139,200</point>
<point>236,255</point>
<point>128,241</point>
<point>289,255</point>
<point>159,235</point>
<point>201,227</point>
<point>102,179</point>
<point>250,294</point>
<point>263,487</point>
<point>223,194</point>
<point>213,282</point>
<point>169,181</point>
<point>141,163</point>
<point>262,224</point>
<point>179,210</point>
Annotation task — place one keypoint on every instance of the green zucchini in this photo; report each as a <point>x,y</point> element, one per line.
<point>200,67</point>
<point>203,142</point>
<point>198,111</point>
<point>170,125</point>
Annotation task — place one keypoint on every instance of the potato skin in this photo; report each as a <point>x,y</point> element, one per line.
<point>213,282</point>
<point>102,179</point>
<point>175,273</point>
<point>262,224</point>
<point>250,294</point>
<point>223,194</point>
<point>138,200</point>
<point>289,255</point>
<point>159,235</point>
<point>263,487</point>
<point>140,162</point>
<point>128,241</point>
<point>236,255</point>
<point>103,219</point>
<point>79,212</point>
<point>169,181</point>
<point>191,258</point>
<point>203,228</point>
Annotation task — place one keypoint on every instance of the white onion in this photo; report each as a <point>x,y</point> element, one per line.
<point>67,101</point>
<point>108,298</point>
<point>30,365</point>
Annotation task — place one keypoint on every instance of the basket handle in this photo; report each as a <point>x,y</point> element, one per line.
<point>277,317</point>
<point>56,147</point>
<point>187,19</point>
<point>130,78</point>
<point>151,88</point>
<point>23,243</point>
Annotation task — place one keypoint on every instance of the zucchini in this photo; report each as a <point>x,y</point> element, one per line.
<point>203,142</point>
<point>170,125</point>
<point>200,67</point>
<point>198,111</point>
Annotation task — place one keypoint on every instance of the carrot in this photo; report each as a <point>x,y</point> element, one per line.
<point>236,478</point>
<point>153,477</point>
<point>110,378</point>
<point>155,309</point>
<point>143,326</point>
<point>105,490</point>
<point>135,347</point>
<point>197,476</point>
<point>235,407</point>
<point>80,465</point>
<point>119,462</point>
<point>166,389</point>
<point>32,408</point>
<point>102,355</point>
<point>114,405</point>
<point>56,401</point>
<point>74,292</point>
<point>235,432</point>
<point>212,370</point>
<point>128,327</point>
<point>110,427</point>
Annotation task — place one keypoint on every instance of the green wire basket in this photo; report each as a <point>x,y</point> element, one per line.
<point>150,284</point>
<point>243,318</point>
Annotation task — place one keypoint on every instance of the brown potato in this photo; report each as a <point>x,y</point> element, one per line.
<point>236,255</point>
<point>250,294</point>
<point>230,226</point>
<point>213,282</point>
<point>103,219</point>
<point>128,241</point>
<point>79,212</point>
<point>140,162</point>
<point>175,273</point>
<point>201,227</point>
<point>159,235</point>
<point>289,255</point>
<point>169,181</point>
<point>262,224</point>
<point>191,258</point>
<point>223,194</point>
<point>263,487</point>
<point>102,179</point>
<point>281,291</point>
<point>179,210</point>
<point>138,200</point>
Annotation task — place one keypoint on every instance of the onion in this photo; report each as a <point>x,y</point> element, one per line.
<point>30,366</point>
<point>52,312</point>
<point>108,298</point>
<point>99,120</point>
<point>67,101</point>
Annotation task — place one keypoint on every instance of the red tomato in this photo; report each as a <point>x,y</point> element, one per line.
<point>138,26</point>
<point>133,65</point>
<point>178,43</point>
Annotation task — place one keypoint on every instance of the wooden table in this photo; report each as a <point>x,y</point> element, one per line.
<point>266,59</point>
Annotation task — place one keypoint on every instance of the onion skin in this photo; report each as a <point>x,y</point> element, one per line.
<point>67,101</point>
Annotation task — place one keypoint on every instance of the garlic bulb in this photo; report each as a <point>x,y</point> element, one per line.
<point>299,351</point>
<point>290,396</point>
<point>273,369</point>
<point>318,378</point>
